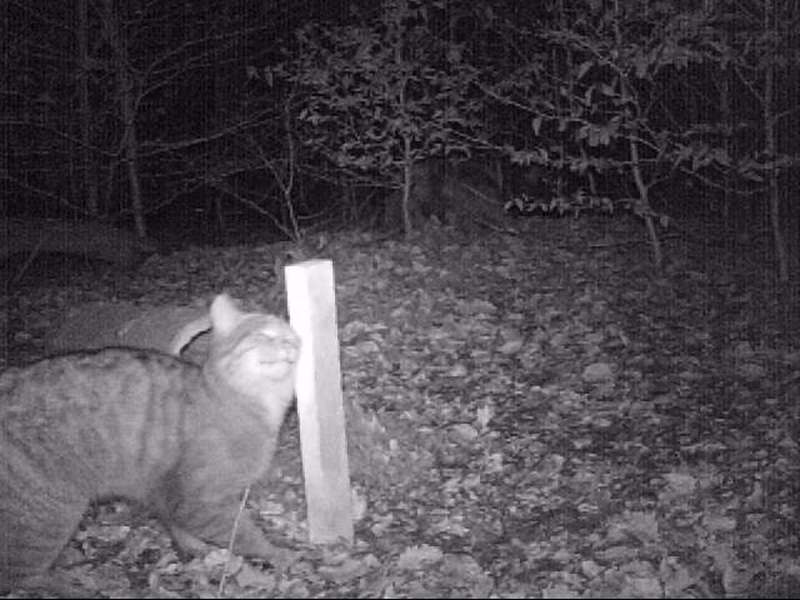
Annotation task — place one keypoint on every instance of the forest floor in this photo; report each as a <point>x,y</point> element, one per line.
<point>560,420</point>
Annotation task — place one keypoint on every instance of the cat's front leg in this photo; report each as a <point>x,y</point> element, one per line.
<point>251,541</point>
<point>215,526</point>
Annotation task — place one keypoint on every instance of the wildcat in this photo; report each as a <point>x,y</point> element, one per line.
<point>183,440</point>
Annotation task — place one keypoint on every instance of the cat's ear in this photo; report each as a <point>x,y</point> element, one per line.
<point>225,316</point>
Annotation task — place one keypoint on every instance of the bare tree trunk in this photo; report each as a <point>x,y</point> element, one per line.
<point>89,186</point>
<point>126,90</point>
<point>770,149</point>
<point>288,180</point>
<point>727,120</point>
<point>408,164</point>
<point>643,206</point>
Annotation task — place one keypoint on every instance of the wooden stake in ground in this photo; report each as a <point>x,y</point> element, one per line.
<point>312,314</point>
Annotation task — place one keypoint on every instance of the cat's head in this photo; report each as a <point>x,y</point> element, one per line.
<point>255,354</point>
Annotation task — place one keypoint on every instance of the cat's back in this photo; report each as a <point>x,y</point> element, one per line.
<point>88,382</point>
<point>95,417</point>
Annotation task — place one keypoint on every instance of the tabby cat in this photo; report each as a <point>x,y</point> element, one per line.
<point>183,440</point>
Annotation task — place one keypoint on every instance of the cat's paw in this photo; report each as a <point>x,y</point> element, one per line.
<point>190,544</point>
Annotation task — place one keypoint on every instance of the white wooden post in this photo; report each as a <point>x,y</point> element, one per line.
<point>312,313</point>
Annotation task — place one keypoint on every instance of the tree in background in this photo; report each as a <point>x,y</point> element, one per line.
<point>382,96</point>
<point>758,62</point>
<point>644,96</point>
<point>117,110</point>
<point>114,110</point>
<point>599,109</point>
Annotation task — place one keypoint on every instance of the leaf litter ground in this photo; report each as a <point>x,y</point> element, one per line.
<point>556,420</point>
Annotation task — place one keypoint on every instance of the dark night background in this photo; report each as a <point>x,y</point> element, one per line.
<point>566,238</point>
<point>193,121</point>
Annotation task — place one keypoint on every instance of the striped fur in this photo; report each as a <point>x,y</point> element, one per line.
<point>183,440</point>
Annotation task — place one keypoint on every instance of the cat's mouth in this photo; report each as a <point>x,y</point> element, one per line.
<point>276,369</point>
